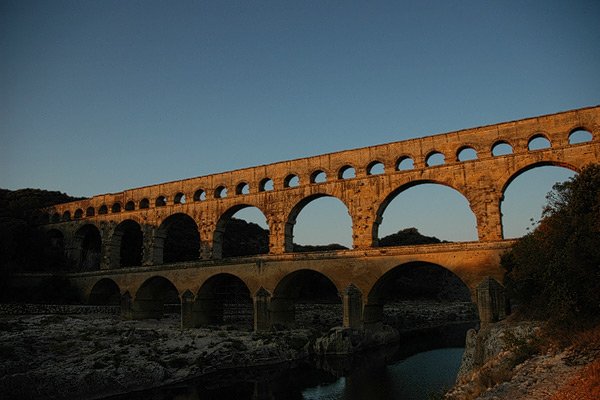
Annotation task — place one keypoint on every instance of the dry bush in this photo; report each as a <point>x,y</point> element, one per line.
<point>584,386</point>
<point>588,339</point>
<point>493,373</point>
<point>559,337</point>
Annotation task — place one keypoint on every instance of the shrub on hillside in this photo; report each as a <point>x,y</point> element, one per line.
<point>554,271</point>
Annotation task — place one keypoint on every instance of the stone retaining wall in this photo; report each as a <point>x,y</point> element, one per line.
<point>17,309</point>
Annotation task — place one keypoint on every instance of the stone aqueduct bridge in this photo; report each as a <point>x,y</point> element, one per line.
<point>280,191</point>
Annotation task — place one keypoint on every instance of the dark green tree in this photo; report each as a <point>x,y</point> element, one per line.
<point>22,246</point>
<point>554,271</point>
<point>407,237</point>
<point>242,238</point>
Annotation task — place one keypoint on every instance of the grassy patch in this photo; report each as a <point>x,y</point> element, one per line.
<point>579,335</point>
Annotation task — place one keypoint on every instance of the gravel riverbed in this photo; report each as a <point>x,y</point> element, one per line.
<point>94,355</point>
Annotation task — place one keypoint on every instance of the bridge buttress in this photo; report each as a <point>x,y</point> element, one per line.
<point>110,255</point>
<point>362,233</point>
<point>364,223</point>
<point>148,244</point>
<point>485,204</point>
<point>112,251</point>
<point>196,312</point>
<point>189,312</point>
<point>206,241</point>
<point>352,307</point>
<point>277,229</point>
<point>70,248</point>
<point>491,301</point>
<point>373,317</point>
<point>157,248</point>
<point>262,318</point>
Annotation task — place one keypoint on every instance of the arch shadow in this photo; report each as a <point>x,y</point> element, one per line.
<point>154,296</point>
<point>128,241</point>
<point>177,239</point>
<point>105,292</point>
<point>306,298</point>
<point>230,240</point>
<point>224,299</point>
<point>410,294</point>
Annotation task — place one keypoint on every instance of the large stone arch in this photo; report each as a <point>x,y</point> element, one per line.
<point>151,297</point>
<point>388,285</point>
<point>396,192</point>
<point>127,244</point>
<point>221,225</point>
<point>297,286</point>
<point>176,239</point>
<point>528,165</point>
<point>510,176</point>
<point>290,220</point>
<point>104,292</point>
<point>88,248</point>
<point>224,298</point>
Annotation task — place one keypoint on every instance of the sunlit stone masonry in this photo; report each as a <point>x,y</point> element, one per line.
<point>122,242</point>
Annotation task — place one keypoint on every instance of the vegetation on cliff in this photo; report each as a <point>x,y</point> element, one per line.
<point>407,237</point>
<point>22,246</point>
<point>553,277</point>
<point>24,203</point>
<point>554,272</point>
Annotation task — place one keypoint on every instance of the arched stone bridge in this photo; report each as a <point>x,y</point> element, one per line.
<point>94,231</point>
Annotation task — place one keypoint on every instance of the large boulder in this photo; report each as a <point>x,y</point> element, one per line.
<point>339,340</point>
<point>343,340</point>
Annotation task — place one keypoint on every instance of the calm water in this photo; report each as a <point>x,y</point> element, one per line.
<point>410,379</point>
<point>410,370</point>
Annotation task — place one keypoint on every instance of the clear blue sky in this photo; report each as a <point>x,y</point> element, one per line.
<point>102,96</point>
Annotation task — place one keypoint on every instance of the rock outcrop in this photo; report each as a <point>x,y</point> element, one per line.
<point>503,361</point>
<point>343,340</point>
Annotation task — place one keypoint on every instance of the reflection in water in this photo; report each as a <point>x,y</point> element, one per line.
<point>411,379</point>
<point>410,370</point>
<point>332,391</point>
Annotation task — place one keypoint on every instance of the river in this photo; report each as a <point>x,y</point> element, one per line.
<point>421,364</point>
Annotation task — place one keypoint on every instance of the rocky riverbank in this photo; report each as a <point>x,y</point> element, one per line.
<point>93,355</point>
<point>508,360</point>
